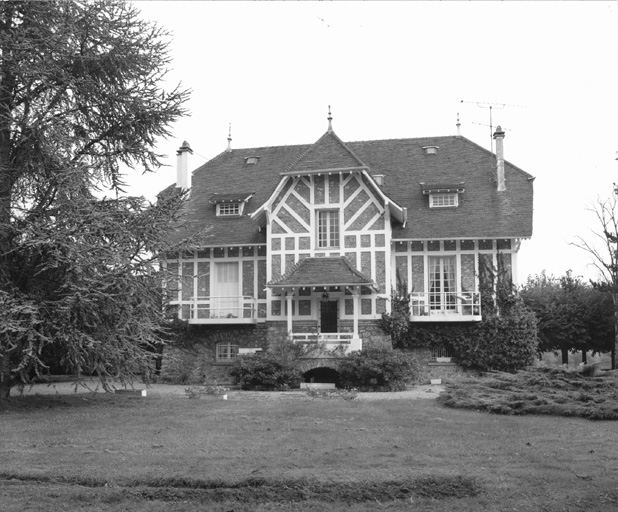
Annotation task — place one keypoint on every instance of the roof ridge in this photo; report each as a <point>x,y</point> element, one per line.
<point>317,142</point>
<point>406,139</point>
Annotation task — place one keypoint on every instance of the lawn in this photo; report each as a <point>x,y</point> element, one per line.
<point>115,453</point>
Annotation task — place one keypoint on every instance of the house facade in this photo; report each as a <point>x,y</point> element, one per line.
<point>306,242</point>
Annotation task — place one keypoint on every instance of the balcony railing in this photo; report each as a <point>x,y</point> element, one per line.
<point>445,306</point>
<point>330,338</point>
<point>219,310</point>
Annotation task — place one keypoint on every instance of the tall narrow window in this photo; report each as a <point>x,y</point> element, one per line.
<point>226,300</point>
<point>328,229</point>
<point>442,283</point>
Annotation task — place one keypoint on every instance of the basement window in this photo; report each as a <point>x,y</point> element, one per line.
<point>226,352</point>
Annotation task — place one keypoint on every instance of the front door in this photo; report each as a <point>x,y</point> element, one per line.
<point>328,316</point>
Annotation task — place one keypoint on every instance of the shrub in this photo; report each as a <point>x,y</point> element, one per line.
<point>267,371</point>
<point>378,369</point>
<point>500,343</point>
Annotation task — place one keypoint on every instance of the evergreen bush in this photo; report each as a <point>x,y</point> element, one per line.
<point>266,372</point>
<point>378,369</point>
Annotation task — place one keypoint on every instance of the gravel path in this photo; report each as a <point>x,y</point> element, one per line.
<point>154,390</point>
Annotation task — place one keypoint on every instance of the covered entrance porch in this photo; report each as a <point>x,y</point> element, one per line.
<point>326,284</point>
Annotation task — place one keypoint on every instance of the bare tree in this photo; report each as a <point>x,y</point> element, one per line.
<point>605,253</point>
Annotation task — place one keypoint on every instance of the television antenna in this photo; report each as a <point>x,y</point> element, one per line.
<point>490,107</point>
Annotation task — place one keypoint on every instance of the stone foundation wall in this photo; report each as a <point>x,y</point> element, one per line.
<point>192,360</point>
<point>432,370</point>
<point>373,335</point>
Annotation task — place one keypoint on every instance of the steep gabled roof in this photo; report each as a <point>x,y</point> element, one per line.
<point>329,152</point>
<point>483,212</point>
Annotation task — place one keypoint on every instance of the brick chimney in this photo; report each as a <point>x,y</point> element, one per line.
<point>499,138</point>
<point>183,174</point>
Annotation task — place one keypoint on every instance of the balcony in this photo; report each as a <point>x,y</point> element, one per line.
<point>219,310</point>
<point>445,307</point>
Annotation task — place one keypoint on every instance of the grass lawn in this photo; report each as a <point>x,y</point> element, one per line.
<point>115,453</point>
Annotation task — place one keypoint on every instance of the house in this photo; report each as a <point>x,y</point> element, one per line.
<point>308,241</point>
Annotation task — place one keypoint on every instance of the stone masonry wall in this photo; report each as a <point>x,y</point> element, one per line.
<point>192,360</point>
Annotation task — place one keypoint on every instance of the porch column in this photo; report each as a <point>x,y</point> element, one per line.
<point>288,298</point>
<point>356,298</point>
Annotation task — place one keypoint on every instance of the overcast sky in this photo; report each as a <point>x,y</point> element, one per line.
<point>406,69</point>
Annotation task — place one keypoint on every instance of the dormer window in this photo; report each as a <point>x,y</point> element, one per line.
<point>443,200</point>
<point>443,196</point>
<point>229,209</point>
<point>230,205</point>
<point>251,160</point>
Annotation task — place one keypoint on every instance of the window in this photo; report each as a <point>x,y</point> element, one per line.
<point>251,160</point>
<point>443,199</point>
<point>328,229</point>
<point>225,302</point>
<point>442,284</point>
<point>440,354</point>
<point>226,352</point>
<point>228,209</point>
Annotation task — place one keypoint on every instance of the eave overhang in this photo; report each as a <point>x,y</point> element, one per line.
<point>240,197</point>
<point>443,188</point>
<point>321,272</point>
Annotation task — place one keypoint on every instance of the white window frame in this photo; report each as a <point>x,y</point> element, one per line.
<point>228,304</point>
<point>226,352</point>
<point>324,239</point>
<point>230,209</point>
<point>443,200</point>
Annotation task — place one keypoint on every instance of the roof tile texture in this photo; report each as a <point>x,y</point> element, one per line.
<point>483,212</point>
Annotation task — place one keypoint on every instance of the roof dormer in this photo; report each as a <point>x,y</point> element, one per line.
<point>230,205</point>
<point>443,195</point>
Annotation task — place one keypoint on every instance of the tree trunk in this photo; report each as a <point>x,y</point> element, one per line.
<point>615,344</point>
<point>5,379</point>
<point>565,355</point>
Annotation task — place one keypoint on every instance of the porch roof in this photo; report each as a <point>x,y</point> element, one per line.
<point>322,272</point>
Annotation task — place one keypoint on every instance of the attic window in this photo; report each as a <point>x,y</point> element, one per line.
<point>431,150</point>
<point>443,200</point>
<point>229,209</point>
<point>251,160</point>
<point>230,205</point>
<point>443,195</point>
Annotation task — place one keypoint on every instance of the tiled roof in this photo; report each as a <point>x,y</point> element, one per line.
<point>322,272</point>
<point>329,152</point>
<point>483,212</point>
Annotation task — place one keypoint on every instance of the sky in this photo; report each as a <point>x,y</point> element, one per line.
<point>549,71</point>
